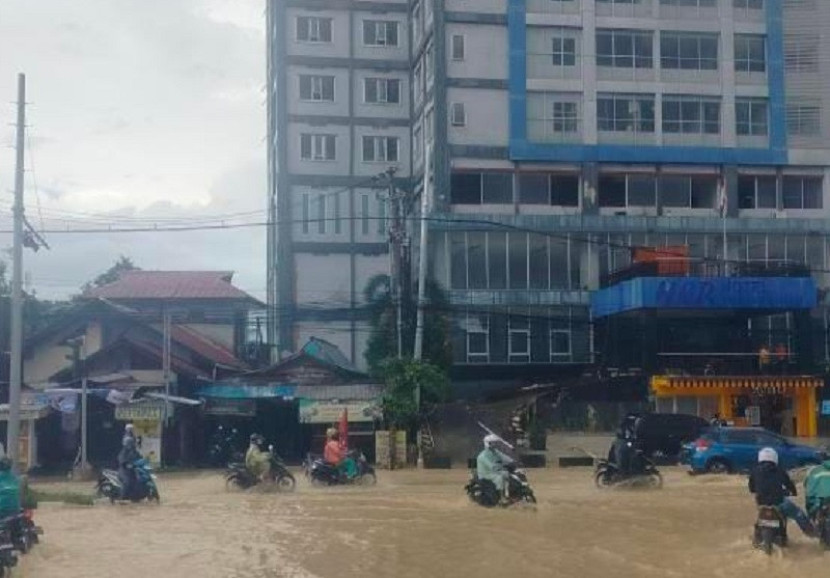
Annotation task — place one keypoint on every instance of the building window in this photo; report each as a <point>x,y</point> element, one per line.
<point>429,125</point>
<point>624,48</point>
<point>381,216</point>
<point>316,88</point>
<point>625,113</point>
<point>380,33</point>
<point>518,339</point>
<point>481,188</point>
<point>689,192</point>
<point>627,190</point>
<point>313,29</point>
<point>364,214</point>
<point>560,343</point>
<point>801,52</point>
<point>549,189</point>
<point>321,214</point>
<point>691,115</point>
<point>564,51</point>
<point>803,192</point>
<point>458,47</point>
<point>417,84</point>
<point>478,338</point>
<point>757,192</point>
<point>750,53</point>
<point>565,117</point>
<point>619,1</point>
<point>751,116</point>
<point>380,149</point>
<point>417,25</point>
<point>429,66</point>
<point>306,212</point>
<point>338,221</point>
<point>317,147</point>
<point>382,91</point>
<point>690,3</point>
<point>458,116</point>
<point>688,51</point>
<point>803,120</point>
<point>749,4</point>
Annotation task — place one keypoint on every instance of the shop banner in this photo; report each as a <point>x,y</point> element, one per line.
<point>145,410</point>
<point>825,407</point>
<point>326,412</point>
<point>230,407</point>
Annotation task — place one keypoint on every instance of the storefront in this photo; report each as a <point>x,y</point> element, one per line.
<point>787,404</point>
<point>147,416</point>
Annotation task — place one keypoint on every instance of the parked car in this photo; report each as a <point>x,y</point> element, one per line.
<point>735,449</point>
<point>661,436</point>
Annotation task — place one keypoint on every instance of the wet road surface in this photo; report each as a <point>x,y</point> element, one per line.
<point>418,524</point>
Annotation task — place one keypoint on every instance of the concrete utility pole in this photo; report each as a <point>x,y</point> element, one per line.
<point>16,360</point>
<point>426,204</point>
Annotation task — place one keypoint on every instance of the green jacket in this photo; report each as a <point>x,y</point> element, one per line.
<point>817,487</point>
<point>9,494</point>
<point>257,461</point>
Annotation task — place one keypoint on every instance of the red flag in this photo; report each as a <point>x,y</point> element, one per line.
<point>343,429</point>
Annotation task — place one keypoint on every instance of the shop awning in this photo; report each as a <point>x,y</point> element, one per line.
<point>753,382</point>
<point>239,391</point>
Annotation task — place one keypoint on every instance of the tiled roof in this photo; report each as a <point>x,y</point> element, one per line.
<point>203,346</point>
<point>170,285</point>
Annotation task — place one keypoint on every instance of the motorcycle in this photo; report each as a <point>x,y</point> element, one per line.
<point>822,523</point>
<point>8,557</point>
<point>322,473</point>
<point>23,531</point>
<point>484,492</point>
<point>238,477</point>
<point>608,474</point>
<point>144,488</point>
<point>770,529</point>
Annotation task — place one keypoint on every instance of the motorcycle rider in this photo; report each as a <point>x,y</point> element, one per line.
<point>490,465</point>
<point>622,450</point>
<point>817,488</point>
<point>334,454</point>
<point>127,457</point>
<point>257,460</point>
<point>771,485</point>
<point>9,489</point>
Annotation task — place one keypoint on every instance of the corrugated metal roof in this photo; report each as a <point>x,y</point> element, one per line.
<point>170,285</point>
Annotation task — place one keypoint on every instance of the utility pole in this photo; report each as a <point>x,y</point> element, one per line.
<point>426,204</point>
<point>397,233</point>
<point>16,360</point>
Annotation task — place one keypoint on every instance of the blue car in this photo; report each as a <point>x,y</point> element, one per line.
<point>728,449</point>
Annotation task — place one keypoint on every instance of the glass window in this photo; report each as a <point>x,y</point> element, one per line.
<point>477,260</point>
<point>688,51</point>
<point>801,52</point>
<point>364,216</point>
<point>458,47</point>
<point>338,220</point>
<point>458,115</point>
<point>612,191</point>
<point>538,262</point>
<point>560,343</point>
<point>465,188</point>
<point>321,214</point>
<point>306,212</point>
<point>313,29</point>
<point>380,149</point>
<point>564,51</point>
<point>382,91</point>
<point>750,53</point>
<point>564,190</point>
<point>497,259</point>
<point>559,263</point>
<point>534,188</point>
<point>316,88</point>
<point>749,4</point>
<point>497,188</point>
<point>565,117</point>
<point>458,260</point>
<point>802,192</point>
<point>803,120</point>
<point>704,192</point>
<point>317,147</point>
<point>625,113</point>
<point>518,260</point>
<point>675,191</point>
<point>624,48</point>
<point>380,33</point>
<point>641,191</point>
<point>690,115</point>
<point>519,338</point>
<point>478,338</point>
<point>751,116</point>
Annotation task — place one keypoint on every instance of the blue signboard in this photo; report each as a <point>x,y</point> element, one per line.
<point>825,407</point>
<point>782,293</point>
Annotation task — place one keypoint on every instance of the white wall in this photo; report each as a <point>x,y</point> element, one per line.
<point>485,51</point>
<point>488,121</point>
<point>323,280</point>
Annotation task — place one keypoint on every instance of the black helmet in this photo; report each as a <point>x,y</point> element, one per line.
<point>257,439</point>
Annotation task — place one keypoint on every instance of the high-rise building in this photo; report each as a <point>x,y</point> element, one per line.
<point>581,128</point>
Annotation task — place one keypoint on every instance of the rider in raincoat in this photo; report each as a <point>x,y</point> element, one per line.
<point>257,460</point>
<point>490,465</point>
<point>817,488</point>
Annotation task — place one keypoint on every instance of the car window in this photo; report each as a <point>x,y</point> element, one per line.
<point>740,437</point>
<point>766,439</point>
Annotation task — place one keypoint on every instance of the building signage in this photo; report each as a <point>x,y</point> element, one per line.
<point>328,412</point>
<point>825,407</point>
<point>230,407</point>
<point>140,411</point>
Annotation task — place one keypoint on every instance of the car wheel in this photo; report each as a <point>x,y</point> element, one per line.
<point>718,466</point>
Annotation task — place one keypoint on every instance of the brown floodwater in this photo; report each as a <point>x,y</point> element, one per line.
<point>418,524</point>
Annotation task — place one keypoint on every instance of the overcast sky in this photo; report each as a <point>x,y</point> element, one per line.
<point>141,110</point>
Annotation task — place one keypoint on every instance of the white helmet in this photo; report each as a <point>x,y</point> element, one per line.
<point>768,455</point>
<point>490,439</point>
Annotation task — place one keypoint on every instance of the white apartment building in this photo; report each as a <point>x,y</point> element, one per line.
<point>581,127</point>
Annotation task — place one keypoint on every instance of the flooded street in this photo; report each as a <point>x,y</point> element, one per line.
<point>417,524</point>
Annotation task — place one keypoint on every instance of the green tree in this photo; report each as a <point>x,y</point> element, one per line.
<point>382,343</point>
<point>112,274</point>
<point>401,378</point>
<point>5,288</point>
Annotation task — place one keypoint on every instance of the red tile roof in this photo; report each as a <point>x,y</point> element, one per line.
<point>203,346</point>
<point>170,285</point>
